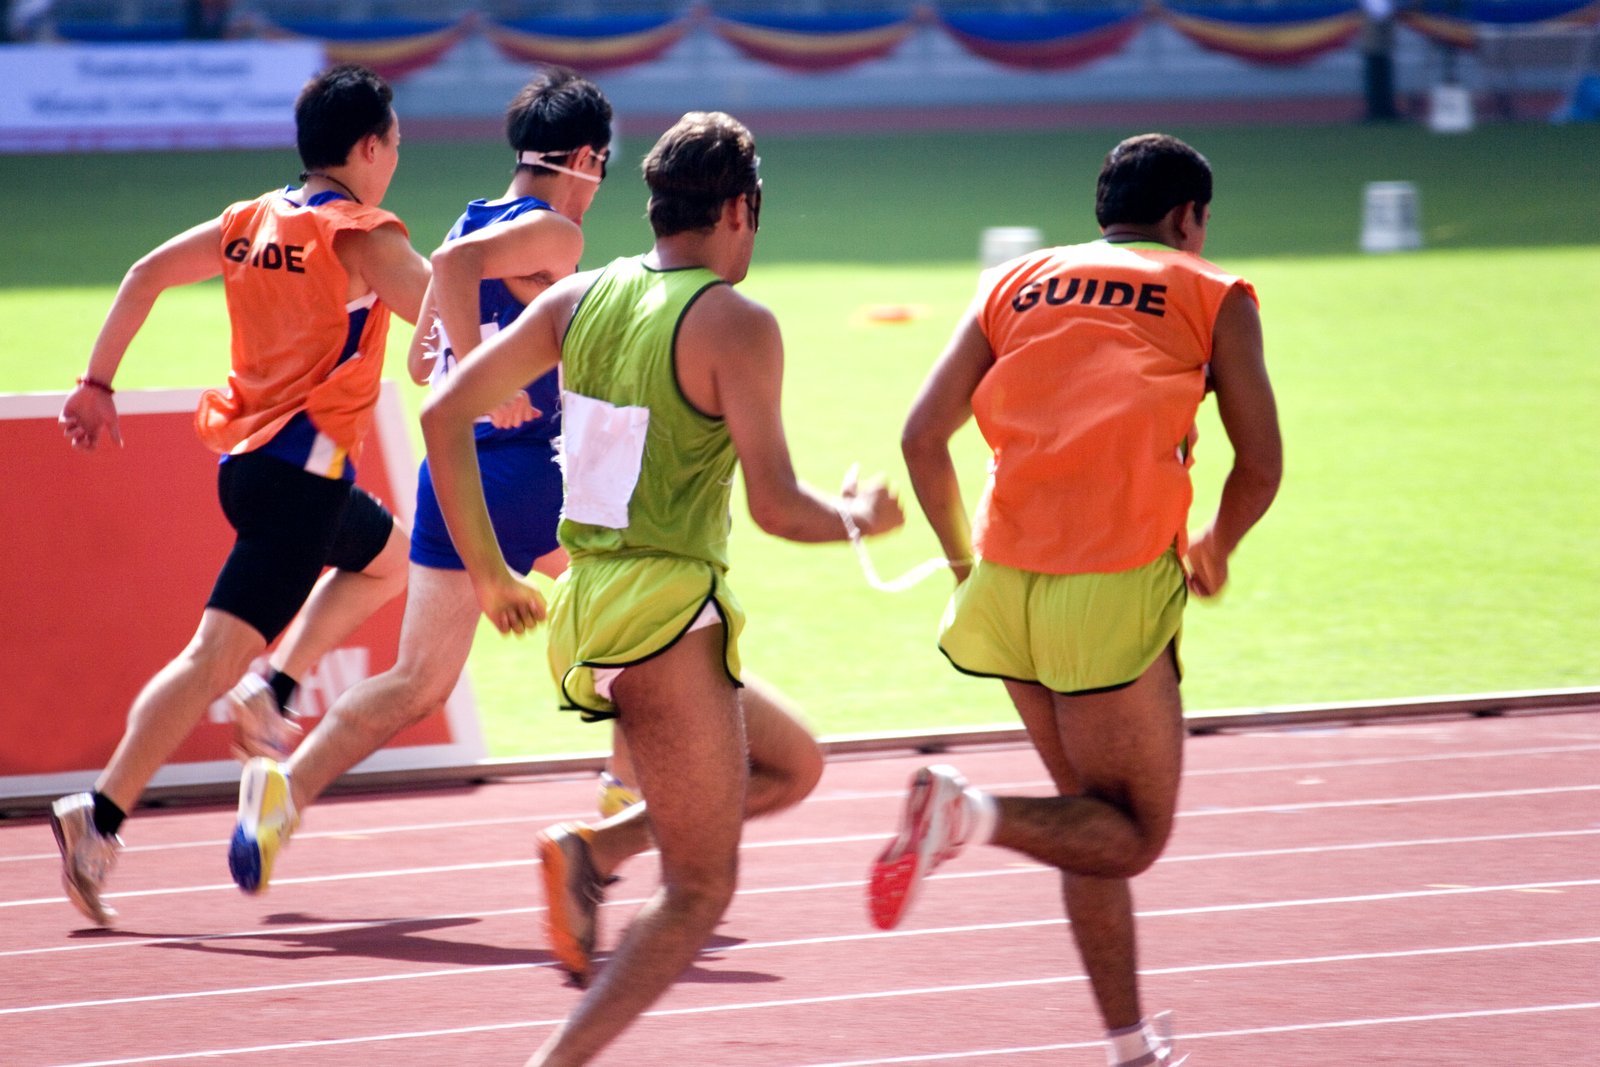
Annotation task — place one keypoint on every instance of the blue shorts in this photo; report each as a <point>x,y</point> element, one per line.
<point>522,486</point>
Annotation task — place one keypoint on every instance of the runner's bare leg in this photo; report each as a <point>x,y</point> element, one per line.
<point>1117,758</point>
<point>170,705</point>
<point>680,717</point>
<point>785,766</point>
<point>435,639</point>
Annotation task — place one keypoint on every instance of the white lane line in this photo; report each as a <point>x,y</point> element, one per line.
<point>1257,1031</point>
<point>1368,802</point>
<point>297,1046</point>
<point>1265,768</point>
<point>750,946</point>
<point>311,929</point>
<point>1391,761</point>
<point>350,876</point>
<point>1192,813</point>
<point>835,999</point>
<point>1029,868</point>
<point>221,843</point>
<point>277,987</point>
<point>834,796</point>
<point>1366,846</point>
<point>101,943</point>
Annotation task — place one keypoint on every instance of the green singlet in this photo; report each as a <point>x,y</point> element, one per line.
<point>619,349</point>
<point>648,481</point>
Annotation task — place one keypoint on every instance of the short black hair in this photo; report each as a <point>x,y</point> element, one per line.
<point>558,111</point>
<point>1147,176</point>
<point>336,109</point>
<point>706,159</point>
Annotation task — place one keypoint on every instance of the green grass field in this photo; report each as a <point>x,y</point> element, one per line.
<point>1433,533</point>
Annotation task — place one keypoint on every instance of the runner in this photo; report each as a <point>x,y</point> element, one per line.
<point>671,379</point>
<point>311,275</point>
<point>1084,366</point>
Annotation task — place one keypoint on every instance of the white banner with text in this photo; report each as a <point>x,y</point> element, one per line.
<point>188,95</point>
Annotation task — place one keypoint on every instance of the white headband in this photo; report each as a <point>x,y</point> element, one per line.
<point>537,159</point>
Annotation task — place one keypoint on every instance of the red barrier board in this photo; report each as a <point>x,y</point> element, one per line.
<point>106,561</point>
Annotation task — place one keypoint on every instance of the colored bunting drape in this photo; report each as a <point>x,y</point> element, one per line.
<point>812,43</point>
<point>390,47</point>
<point>1286,33</point>
<point>1456,22</point>
<point>1054,41</point>
<point>588,45</point>
<point>1281,36</point>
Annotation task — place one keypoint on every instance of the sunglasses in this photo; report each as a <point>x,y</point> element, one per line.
<point>542,159</point>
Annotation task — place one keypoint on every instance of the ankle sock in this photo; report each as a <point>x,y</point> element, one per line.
<point>283,688</point>
<point>1128,1043</point>
<point>983,814</point>
<point>108,818</point>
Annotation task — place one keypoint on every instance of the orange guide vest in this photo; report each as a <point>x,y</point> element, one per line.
<point>1100,366</point>
<point>288,302</point>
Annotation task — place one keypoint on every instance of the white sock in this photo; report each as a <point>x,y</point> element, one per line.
<point>983,814</point>
<point>1129,1043</point>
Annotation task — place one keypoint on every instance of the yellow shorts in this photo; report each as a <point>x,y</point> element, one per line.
<point>618,610</point>
<point>1068,632</point>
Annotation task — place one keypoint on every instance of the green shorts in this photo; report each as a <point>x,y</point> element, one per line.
<point>1072,633</point>
<point>618,610</point>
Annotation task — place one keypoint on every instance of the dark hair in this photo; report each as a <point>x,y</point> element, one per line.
<point>1147,176</point>
<point>706,159</point>
<point>558,111</point>
<point>336,109</point>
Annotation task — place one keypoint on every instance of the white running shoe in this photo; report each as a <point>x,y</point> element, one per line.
<point>933,828</point>
<point>1165,1053</point>
<point>262,726</point>
<point>266,820</point>
<point>87,855</point>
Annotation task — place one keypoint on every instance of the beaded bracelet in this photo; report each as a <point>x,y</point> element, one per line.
<point>95,383</point>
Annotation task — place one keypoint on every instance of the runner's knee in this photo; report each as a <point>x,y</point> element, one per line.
<point>701,895</point>
<point>217,656</point>
<point>1152,836</point>
<point>392,564</point>
<point>792,780</point>
<point>420,692</point>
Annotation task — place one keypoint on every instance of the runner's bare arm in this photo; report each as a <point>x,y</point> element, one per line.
<point>191,256</point>
<point>425,342</point>
<point>522,352</point>
<point>387,264</point>
<point>739,343</point>
<point>942,407</point>
<point>539,244</point>
<point>1249,416</point>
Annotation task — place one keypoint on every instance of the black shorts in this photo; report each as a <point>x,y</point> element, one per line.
<point>290,525</point>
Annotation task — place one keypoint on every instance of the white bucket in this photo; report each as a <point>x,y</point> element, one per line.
<point>1391,218</point>
<point>1450,109</point>
<point>1001,243</point>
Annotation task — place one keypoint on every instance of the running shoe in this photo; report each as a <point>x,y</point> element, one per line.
<point>574,892</point>
<point>933,828</point>
<point>266,819</point>
<point>87,855</point>
<point>1165,1054</point>
<point>262,726</point>
<point>614,796</point>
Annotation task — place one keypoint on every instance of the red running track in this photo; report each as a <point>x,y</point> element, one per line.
<point>1418,893</point>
